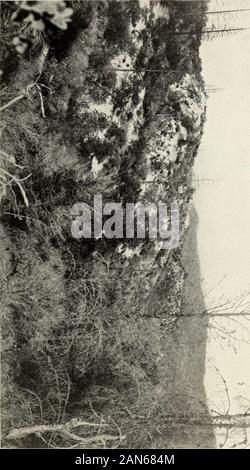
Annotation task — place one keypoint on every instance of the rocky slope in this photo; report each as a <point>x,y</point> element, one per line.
<point>119,111</point>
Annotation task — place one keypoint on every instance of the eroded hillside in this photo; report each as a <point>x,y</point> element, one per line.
<point>117,109</point>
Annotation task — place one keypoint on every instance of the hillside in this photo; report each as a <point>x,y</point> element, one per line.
<point>114,105</point>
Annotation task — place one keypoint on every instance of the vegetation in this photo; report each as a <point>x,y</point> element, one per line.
<point>82,327</point>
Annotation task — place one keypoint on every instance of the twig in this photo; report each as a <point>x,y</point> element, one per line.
<point>17,181</point>
<point>41,100</point>
<point>65,430</point>
<point>19,97</point>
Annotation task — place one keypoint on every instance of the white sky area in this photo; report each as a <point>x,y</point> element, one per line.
<point>223,208</point>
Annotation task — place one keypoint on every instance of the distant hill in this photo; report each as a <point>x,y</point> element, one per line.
<point>114,104</point>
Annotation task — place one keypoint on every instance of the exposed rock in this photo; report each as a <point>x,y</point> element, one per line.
<point>123,107</point>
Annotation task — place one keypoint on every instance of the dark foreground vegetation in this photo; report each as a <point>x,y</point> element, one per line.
<point>85,322</point>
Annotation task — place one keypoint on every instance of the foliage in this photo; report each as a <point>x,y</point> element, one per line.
<point>80,339</point>
<point>36,15</point>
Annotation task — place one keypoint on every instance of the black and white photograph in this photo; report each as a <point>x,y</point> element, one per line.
<point>125,230</point>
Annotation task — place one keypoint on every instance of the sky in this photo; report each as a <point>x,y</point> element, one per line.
<point>223,207</point>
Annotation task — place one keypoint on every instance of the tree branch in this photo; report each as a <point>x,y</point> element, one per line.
<point>66,430</point>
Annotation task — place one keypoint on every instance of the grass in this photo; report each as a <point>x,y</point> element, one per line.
<point>81,338</point>
<point>71,346</point>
